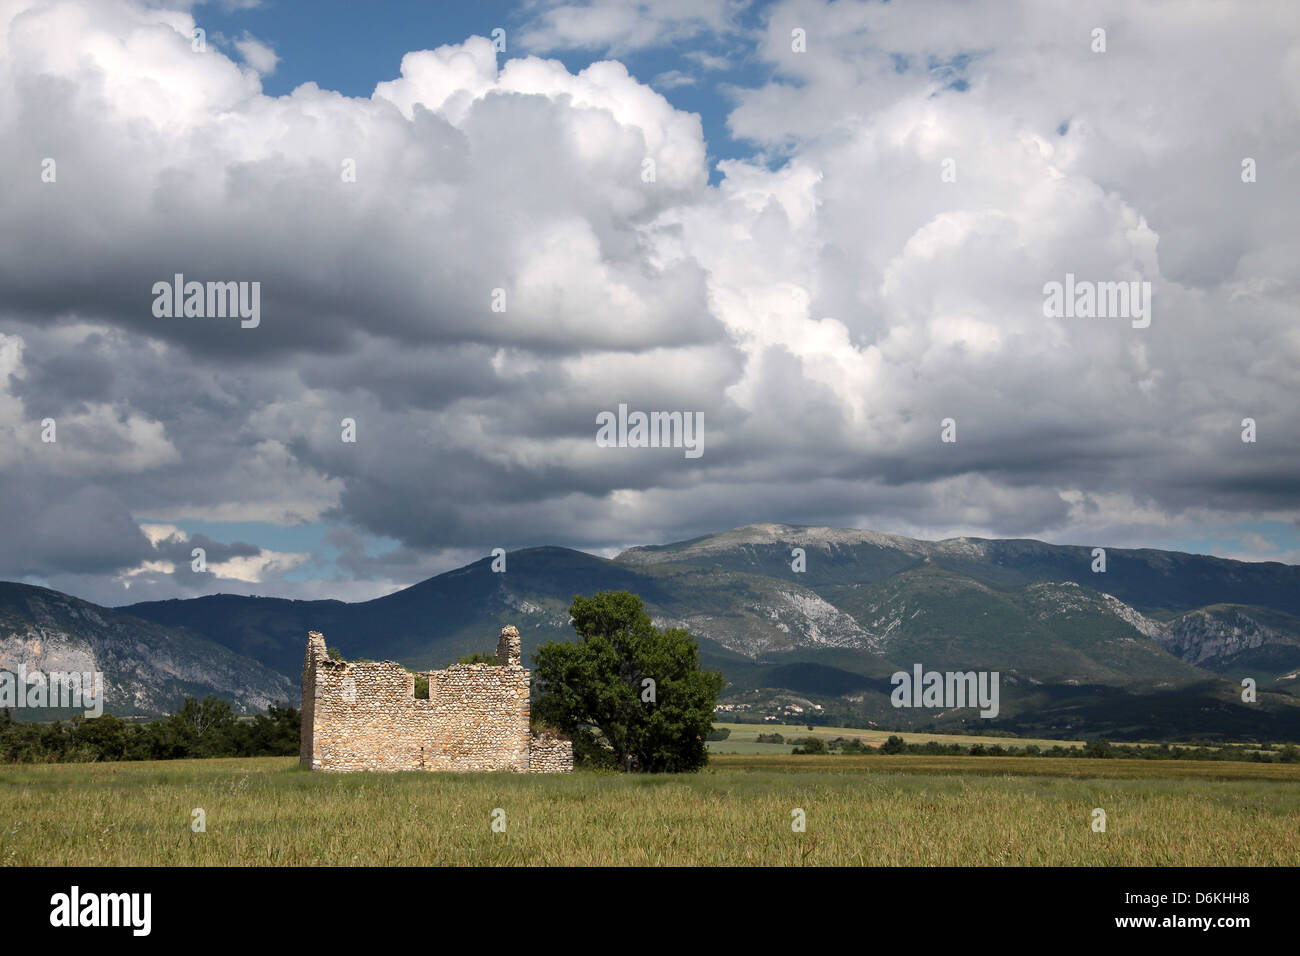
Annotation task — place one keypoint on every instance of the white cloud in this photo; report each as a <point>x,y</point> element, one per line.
<point>259,567</point>
<point>672,79</point>
<point>1259,544</point>
<point>824,306</point>
<point>620,26</point>
<point>158,533</point>
<point>708,61</point>
<point>257,54</point>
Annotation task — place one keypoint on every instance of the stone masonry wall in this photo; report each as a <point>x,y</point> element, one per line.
<point>364,716</point>
<point>547,754</point>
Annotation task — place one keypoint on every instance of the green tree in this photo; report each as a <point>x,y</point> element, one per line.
<point>630,689</point>
<point>105,736</point>
<point>275,733</point>
<point>894,745</point>
<point>200,729</point>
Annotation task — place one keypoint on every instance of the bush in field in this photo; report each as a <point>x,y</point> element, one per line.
<point>1099,748</point>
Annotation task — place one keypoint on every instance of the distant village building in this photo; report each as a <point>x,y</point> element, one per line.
<point>365,716</point>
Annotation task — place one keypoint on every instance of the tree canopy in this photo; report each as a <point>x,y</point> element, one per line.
<point>630,694</point>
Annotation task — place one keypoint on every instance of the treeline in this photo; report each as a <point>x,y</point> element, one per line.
<point>1261,753</point>
<point>206,728</point>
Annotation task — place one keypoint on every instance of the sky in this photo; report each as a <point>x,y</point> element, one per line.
<point>824,232</point>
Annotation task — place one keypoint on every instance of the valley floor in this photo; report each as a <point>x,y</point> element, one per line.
<point>874,810</point>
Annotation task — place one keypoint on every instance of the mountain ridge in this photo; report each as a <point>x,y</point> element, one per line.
<point>1068,641</point>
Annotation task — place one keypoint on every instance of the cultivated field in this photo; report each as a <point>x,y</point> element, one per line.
<point>873,810</point>
<point>742,737</point>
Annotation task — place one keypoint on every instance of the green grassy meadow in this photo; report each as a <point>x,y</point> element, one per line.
<point>872,810</point>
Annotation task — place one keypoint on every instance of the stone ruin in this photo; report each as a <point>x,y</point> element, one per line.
<point>365,716</point>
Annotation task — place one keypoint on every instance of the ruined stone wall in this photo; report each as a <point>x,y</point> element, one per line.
<point>364,716</point>
<point>479,718</point>
<point>547,754</point>
<point>358,716</point>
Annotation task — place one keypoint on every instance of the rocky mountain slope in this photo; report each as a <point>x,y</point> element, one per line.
<point>148,668</point>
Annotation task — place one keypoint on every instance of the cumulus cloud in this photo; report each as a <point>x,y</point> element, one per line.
<point>473,262</point>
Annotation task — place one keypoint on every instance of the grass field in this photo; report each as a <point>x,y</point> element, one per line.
<point>742,737</point>
<point>873,810</point>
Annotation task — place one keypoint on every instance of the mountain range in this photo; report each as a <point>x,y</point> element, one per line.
<point>148,668</point>
<point>1156,646</point>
